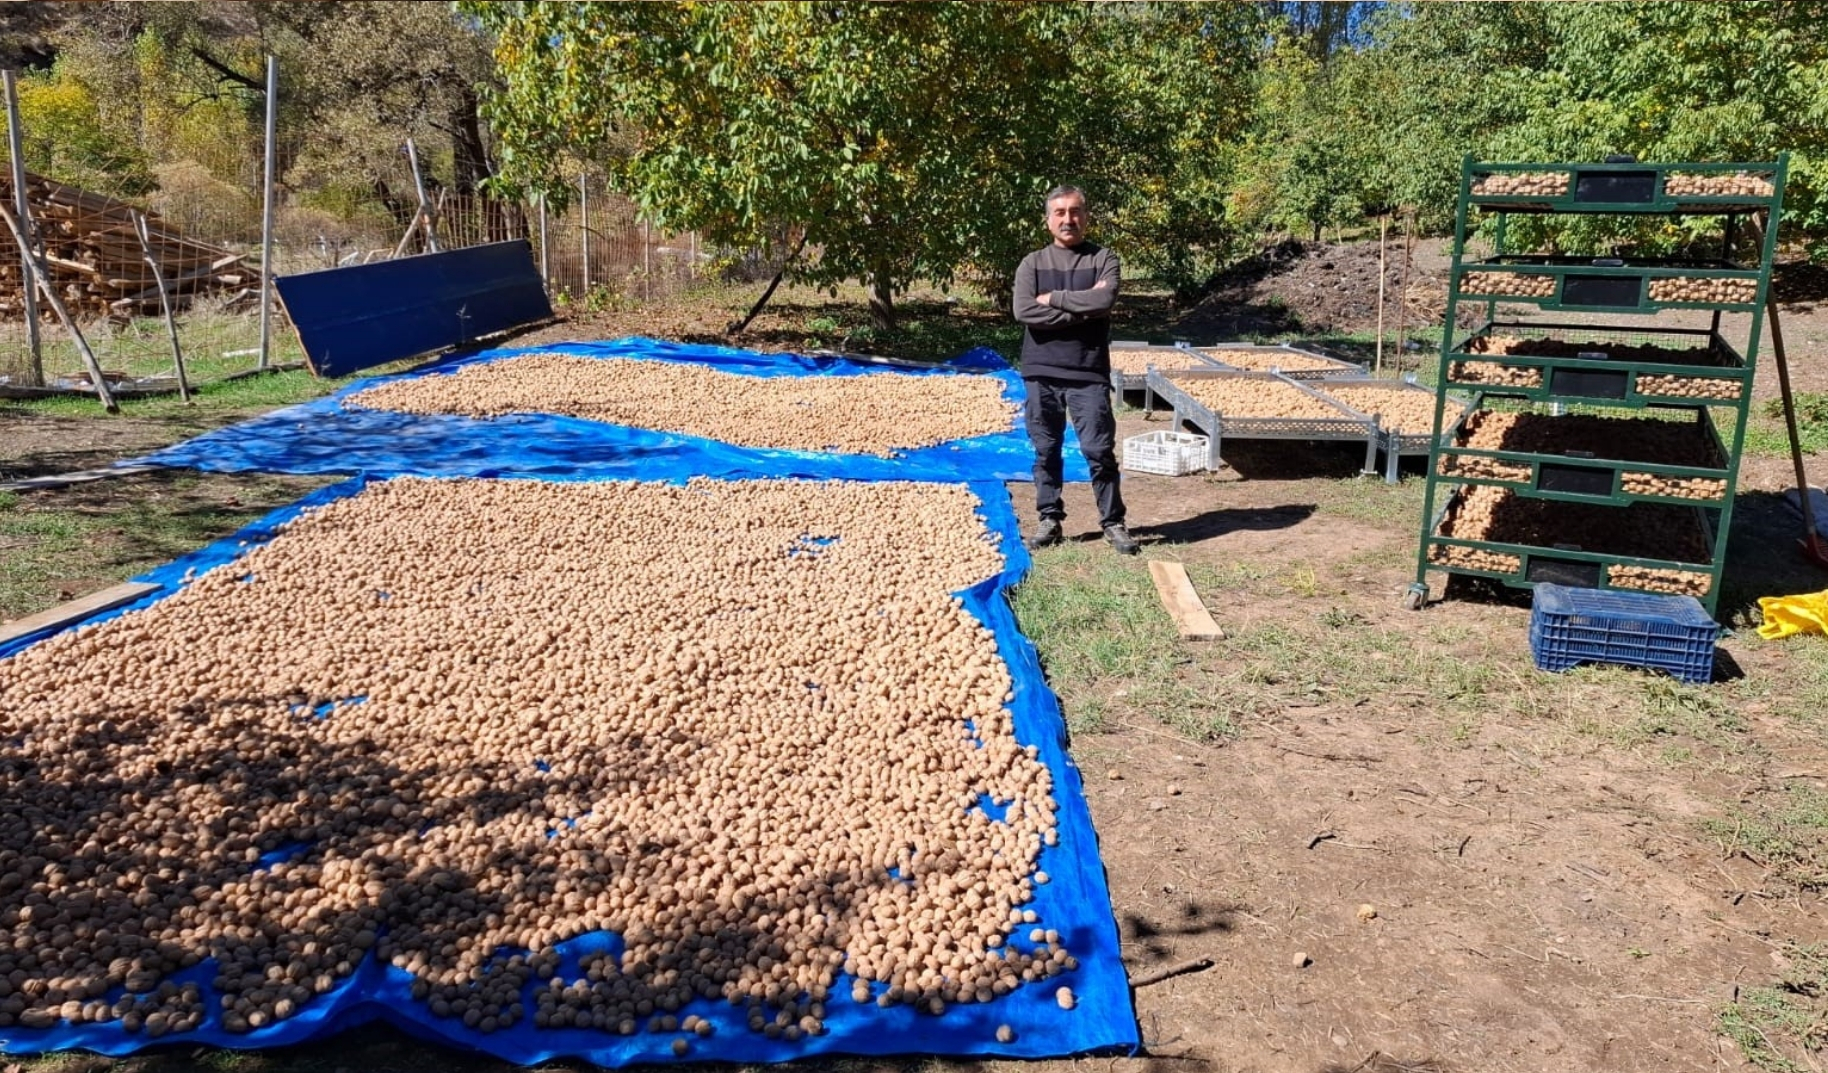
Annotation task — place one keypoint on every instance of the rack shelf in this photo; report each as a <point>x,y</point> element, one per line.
<point>1615,497</point>
<point>1584,458</point>
<point>1631,368</point>
<point>1623,188</point>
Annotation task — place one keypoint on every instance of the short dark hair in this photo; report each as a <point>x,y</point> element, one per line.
<point>1063,190</point>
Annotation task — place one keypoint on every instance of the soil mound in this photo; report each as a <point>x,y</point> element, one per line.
<point>1323,288</point>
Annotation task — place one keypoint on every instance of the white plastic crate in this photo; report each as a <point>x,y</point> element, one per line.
<point>1167,453</point>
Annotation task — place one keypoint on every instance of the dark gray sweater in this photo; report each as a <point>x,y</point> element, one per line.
<point>1069,338</point>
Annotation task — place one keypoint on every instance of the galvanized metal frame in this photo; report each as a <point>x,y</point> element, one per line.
<point>1392,445</point>
<point>1348,427</point>
<point>1319,366</point>
<point>1122,381</point>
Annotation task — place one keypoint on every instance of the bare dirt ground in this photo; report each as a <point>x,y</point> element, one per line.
<point>1380,884</point>
<point>1461,866</point>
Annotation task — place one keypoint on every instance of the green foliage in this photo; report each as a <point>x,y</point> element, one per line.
<point>70,135</point>
<point>1302,168</point>
<point>894,139</point>
<point>166,103</point>
<point>1574,82</point>
<point>1163,93</point>
<point>900,142</point>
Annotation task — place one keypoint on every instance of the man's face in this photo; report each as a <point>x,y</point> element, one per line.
<point>1066,220</point>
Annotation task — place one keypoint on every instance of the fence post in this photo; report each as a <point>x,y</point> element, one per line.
<point>584,211</point>
<point>266,217</point>
<point>545,262</point>
<point>171,323</point>
<point>63,314</point>
<point>427,215</point>
<point>15,140</point>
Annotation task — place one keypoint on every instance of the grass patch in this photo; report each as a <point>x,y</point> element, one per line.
<point>251,394</point>
<point>1767,436</point>
<point>1784,832</point>
<point>1784,1028</point>
<point>1374,500</point>
<point>57,541</point>
<point>215,343</point>
<point>1108,650</point>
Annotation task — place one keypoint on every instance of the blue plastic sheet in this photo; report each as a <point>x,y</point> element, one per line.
<point>1076,903</point>
<point>324,436</point>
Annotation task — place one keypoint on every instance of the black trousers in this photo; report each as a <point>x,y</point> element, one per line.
<point>1049,403</point>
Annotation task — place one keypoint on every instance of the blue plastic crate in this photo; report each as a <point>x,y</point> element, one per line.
<point>1569,626</point>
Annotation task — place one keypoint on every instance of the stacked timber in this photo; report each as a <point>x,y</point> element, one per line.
<point>96,261</point>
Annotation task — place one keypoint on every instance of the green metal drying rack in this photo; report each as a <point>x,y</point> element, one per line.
<point>1645,368</point>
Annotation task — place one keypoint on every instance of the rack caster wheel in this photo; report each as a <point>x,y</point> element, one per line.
<point>1415,597</point>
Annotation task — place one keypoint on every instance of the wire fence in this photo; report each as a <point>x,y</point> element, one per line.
<point>204,224</point>
<point>601,248</point>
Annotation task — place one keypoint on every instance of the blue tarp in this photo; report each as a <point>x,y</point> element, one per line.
<point>326,436</point>
<point>1076,902</point>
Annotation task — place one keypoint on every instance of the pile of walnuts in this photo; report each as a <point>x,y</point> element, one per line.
<point>878,414</point>
<point>745,726</point>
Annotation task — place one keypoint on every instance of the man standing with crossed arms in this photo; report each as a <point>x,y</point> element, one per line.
<point>1063,297</point>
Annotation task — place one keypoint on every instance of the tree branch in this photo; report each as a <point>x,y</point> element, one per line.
<point>229,74</point>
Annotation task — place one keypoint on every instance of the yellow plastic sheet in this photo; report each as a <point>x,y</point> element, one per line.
<point>1786,615</point>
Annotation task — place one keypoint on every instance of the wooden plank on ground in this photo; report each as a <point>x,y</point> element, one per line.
<point>60,480</point>
<point>1190,616</point>
<point>64,614</point>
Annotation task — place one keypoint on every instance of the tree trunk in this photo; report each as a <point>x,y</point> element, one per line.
<point>736,327</point>
<point>469,157</point>
<point>882,300</point>
<point>470,167</point>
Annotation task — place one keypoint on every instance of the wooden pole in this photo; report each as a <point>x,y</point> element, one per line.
<point>171,323</point>
<point>1402,287</point>
<point>425,207</point>
<point>1383,235</point>
<point>50,295</point>
<point>412,228</point>
<point>15,140</point>
<point>266,216</point>
<point>432,216</point>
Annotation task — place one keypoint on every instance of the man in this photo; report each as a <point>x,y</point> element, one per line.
<point>1063,297</point>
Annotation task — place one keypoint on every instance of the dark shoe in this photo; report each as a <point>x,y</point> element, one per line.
<point>1121,539</point>
<point>1046,535</point>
